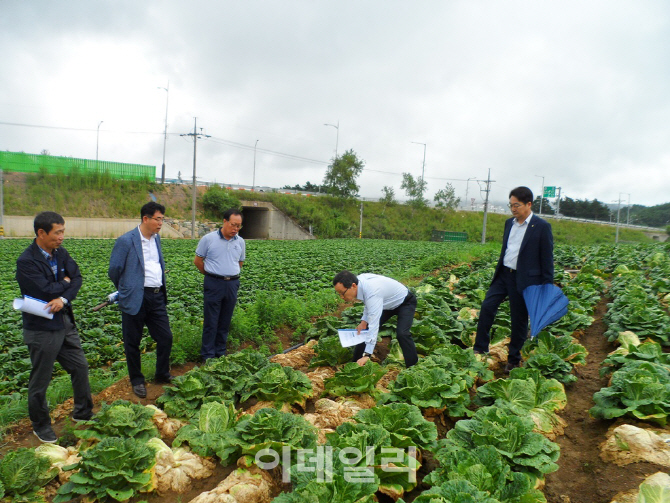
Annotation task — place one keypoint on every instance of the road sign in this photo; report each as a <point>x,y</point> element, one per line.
<point>550,192</point>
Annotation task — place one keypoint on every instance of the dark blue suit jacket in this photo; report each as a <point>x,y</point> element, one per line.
<point>535,265</point>
<point>126,270</point>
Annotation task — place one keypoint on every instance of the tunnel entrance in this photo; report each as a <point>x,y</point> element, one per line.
<point>256,222</point>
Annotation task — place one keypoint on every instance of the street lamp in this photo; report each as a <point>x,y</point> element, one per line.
<point>253,183</point>
<point>423,167</point>
<point>541,193</point>
<point>167,99</point>
<point>97,143</point>
<point>618,214</point>
<point>337,138</point>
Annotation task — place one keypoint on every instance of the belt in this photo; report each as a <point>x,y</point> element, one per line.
<point>152,289</point>
<point>224,278</point>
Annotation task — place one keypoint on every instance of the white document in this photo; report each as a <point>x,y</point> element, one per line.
<point>352,337</point>
<point>33,306</point>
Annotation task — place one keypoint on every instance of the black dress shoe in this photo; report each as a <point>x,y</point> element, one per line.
<point>46,435</point>
<point>140,390</point>
<point>510,366</point>
<point>164,380</point>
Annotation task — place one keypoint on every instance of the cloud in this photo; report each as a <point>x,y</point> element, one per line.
<point>572,91</point>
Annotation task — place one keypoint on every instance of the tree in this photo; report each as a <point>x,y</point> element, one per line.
<point>389,196</point>
<point>446,200</point>
<point>414,190</point>
<point>340,179</point>
<point>568,207</point>
<point>312,187</point>
<point>546,207</point>
<point>216,201</point>
<point>308,187</point>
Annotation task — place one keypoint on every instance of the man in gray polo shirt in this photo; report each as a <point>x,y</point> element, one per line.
<point>219,256</point>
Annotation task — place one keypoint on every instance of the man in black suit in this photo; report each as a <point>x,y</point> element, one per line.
<point>45,271</point>
<point>526,258</point>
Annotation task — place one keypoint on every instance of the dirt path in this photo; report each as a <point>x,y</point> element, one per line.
<point>583,476</point>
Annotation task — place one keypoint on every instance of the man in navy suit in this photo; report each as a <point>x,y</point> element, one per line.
<point>526,258</point>
<point>137,269</point>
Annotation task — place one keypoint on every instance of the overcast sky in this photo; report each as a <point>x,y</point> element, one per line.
<point>575,91</point>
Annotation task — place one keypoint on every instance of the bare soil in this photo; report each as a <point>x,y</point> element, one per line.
<point>583,477</point>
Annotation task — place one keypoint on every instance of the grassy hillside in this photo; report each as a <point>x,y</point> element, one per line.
<point>334,218</point>
<point>89,196</point>
<point>99,196</point>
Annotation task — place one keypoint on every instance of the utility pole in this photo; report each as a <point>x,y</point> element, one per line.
<point>467,183</point>
<point>195,136</point>
<point>618,213</point>
<point>360,229</point>
<point>423,166</point>
<point>628,217</point>
<point>253,183</point>
<point>541,193</point>
<point>2,205</point>
<point>167,99</point>
<point>558,203</point>
<point>97,143</point>
<point>486,205</point>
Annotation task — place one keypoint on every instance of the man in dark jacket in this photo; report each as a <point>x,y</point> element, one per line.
<point>526,258</point>
<point>45,271</point>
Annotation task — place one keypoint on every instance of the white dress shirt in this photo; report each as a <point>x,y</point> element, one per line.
<point>514,240</point>
<point>378,293</point>
<point>153,272</point>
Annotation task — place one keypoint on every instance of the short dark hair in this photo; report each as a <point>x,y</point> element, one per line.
<point>229,213</point>
<point>151,208</point>
<point>523,194</point>
<point>346,278</point>
<point>46,221</point>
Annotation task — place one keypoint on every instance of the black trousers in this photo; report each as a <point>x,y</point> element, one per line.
<point>405,313</point>
<point>219,298</point>
<point>153,314</point>
<point>502,287</point>
<point>47,347</point>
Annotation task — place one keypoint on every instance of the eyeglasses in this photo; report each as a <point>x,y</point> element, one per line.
<point>160,220</point>
<point>342,294</point>
<point>235,226</point>
<point>514,206</point>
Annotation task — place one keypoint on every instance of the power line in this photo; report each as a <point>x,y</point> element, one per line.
<point>223,141</point>
<point>77,129</point>
<point>244,146</point>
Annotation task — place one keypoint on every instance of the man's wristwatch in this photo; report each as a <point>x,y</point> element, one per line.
<point>63,300</point>
<point>367,355</point>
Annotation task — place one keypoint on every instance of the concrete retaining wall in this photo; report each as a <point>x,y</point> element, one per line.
<point>262,220</point>
<point>20,226</point>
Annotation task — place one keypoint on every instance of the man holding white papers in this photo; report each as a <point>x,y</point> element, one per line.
<point>383,298</point>
<point>45,271</point>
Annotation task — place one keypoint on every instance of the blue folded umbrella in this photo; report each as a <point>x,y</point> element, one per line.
<point>546,304</point>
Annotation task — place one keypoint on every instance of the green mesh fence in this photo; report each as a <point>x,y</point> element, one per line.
<point>52,165</point>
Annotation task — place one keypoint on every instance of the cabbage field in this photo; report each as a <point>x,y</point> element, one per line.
<point>310,426</point>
